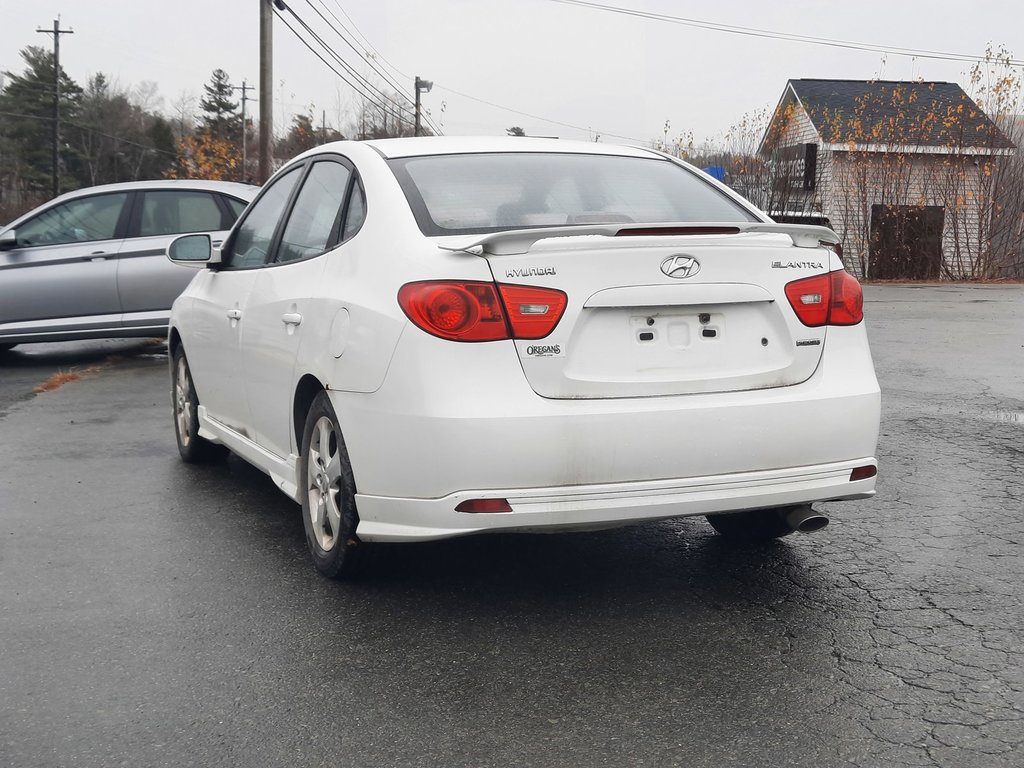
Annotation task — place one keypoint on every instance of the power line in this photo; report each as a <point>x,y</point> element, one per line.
<point>774,35</point>
<point>130,143</point>
<point>370,58</point>
<point>370,45</point>
<point>366,59</point>
<point>327,63</point>
<point>427,116</point>
<point>390,81</point>
<point>81,127</point>
<point>364,87</point>
<point>538,117</point>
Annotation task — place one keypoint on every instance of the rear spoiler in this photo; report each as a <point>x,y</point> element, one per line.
<point>515,241</point>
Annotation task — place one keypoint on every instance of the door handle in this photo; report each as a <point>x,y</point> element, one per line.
<point>234,314</point>
<point>96,256</point>
<point>291,318</point>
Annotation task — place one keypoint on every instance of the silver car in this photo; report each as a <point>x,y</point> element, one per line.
<point>90,264</point>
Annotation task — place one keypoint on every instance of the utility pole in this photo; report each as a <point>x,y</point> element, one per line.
<point>267,85</point>
<point>56,32</point>
<point>244,88</point>
<point>424,86</point>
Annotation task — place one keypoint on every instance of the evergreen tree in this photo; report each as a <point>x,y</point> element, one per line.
<point>220,112</point>
<point>26,114</point>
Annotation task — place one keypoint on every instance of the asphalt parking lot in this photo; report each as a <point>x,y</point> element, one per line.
<point>157,614</point>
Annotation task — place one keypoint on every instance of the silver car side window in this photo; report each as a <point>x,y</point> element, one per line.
<point>76,221</point>
<point>172,212</point>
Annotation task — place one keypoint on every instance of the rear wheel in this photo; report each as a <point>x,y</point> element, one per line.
<point>193,448</point>
<point>752,525</point>
<point>328,494</point>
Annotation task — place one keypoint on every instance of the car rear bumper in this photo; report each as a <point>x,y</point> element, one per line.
<point>599,506</point>
<point>461,430</point>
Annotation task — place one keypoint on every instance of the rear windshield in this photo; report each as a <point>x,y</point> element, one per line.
<point>478,193</point>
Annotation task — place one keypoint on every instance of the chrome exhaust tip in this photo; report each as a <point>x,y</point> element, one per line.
<point>804,519</point>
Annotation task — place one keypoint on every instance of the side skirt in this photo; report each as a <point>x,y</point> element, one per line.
<point>281,470</point>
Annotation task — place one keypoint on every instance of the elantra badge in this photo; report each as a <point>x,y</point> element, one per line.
<point>680,266</point>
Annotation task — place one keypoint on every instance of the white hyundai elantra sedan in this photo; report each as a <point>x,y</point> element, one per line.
<point>432,337</point>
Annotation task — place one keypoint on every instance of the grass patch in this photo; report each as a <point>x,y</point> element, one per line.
<point>61,378</point>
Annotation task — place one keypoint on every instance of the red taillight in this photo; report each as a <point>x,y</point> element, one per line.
<point>474,311</point>
<point>459,311</point>
<point>863,473</point>
<point>832,299</point>
<point>847,300</point>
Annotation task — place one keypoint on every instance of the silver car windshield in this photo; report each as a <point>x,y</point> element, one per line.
<point>476,193</point>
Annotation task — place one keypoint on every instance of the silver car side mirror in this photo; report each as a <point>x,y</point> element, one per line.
<point>8,240</point>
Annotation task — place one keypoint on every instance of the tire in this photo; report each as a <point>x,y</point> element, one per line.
<point>751,526</point>
<point>185,404</point>
<point>328,494</point>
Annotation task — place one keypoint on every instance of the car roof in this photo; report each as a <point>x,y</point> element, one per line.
<point>244,191</point>
<point>457,145</point>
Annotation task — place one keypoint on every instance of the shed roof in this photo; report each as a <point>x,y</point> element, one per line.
<point>930,114</point>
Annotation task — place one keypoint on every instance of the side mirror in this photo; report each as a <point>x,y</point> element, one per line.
<point>8,240</point>
<point>191,251</point>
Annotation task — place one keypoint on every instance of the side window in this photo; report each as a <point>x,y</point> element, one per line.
<point>235,206</point>
<point>356,211</point>
<point>255,234</point>
<point>76,221</point>
<point>316,211</point>
<point>173,212</point>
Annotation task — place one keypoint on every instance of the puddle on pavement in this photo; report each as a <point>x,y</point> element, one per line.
<point>993,416</point>
<point>997,417</point>
<point>1004,417</point>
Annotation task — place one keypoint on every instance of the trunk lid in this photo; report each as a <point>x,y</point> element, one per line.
<point>651,316</point>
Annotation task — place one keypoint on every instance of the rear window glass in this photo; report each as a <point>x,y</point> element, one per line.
<point>477,193</point>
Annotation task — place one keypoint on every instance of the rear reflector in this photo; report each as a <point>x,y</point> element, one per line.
<point>863,473</point>
<point>834,298</point>
<point>484,506</point>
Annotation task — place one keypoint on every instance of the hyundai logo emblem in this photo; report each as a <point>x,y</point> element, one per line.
<point>680,266</point>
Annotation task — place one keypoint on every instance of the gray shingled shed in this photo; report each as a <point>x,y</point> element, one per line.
<point>903,171</point>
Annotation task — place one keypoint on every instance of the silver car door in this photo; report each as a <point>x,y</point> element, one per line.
<point>147,281</point>
<point>62,278</point>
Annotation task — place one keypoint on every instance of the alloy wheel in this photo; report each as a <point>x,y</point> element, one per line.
<point>323,482</point>
<point>183,403</point>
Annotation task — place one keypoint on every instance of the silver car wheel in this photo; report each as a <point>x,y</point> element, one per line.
<point>183,403</point>
<point>323,483</point>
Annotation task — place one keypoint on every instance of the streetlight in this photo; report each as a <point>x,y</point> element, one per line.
<point>422,86</point>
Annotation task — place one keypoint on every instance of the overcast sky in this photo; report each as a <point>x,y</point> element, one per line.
<point>547,65</point>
